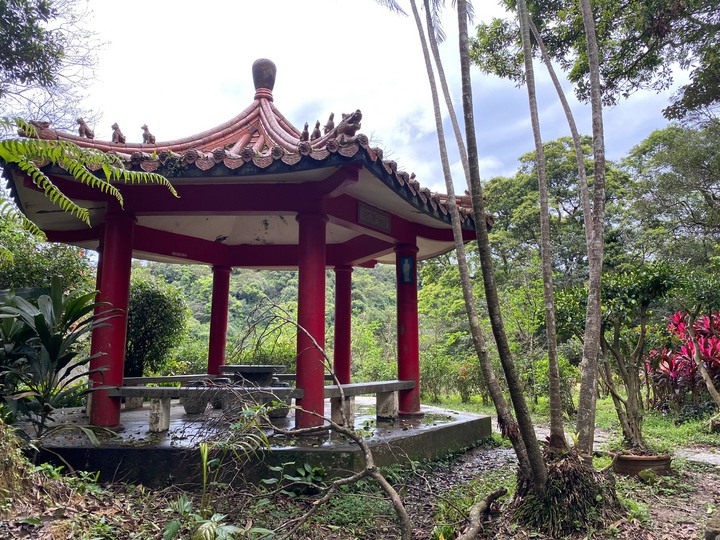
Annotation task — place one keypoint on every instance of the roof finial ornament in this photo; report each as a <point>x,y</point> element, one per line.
<point>117,135</point>
<point>264,71</point>
<point>316,132</point>
<point>304,135</point>
<point>350,124</point>
<point>327,128</point>
<point>84,130</point>
<point>148,138</point>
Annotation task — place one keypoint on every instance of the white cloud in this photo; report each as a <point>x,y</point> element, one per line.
<point>184,68</point>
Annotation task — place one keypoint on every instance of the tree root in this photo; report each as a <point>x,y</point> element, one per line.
<point>576,497</point>
<point>477,512</point>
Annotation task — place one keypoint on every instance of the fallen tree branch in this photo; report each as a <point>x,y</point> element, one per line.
<point>370,470</point>
<point>296,523</point>
<point>477,511</point>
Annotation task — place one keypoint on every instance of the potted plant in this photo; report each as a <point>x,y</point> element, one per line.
<point>627,299</point>
<point>653,455</point>
<point>627,296</point>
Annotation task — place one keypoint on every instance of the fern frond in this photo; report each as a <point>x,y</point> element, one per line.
<point>81,174</point>
<point>10,213</point>
<point>29,154</point>
<point>134,177</point>
<point>52,192</point>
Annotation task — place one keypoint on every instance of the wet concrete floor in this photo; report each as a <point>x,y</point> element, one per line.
<point>131,453</point>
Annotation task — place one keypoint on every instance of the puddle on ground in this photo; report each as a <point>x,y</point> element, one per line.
<point>367,427</point>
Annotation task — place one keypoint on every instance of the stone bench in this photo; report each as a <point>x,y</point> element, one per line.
<point>386,392</point>
<point>137,402</point>
<point>160,379</point>
<point>160,397</point>
<point>290,377</point>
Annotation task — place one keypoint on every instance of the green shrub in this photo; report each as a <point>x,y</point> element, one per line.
<point>467,378</point>
<point>157,316</point>
<point>376,369</point>
<point>437,375</point>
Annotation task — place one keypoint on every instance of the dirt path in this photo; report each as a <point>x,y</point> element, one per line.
<point>696,454</point>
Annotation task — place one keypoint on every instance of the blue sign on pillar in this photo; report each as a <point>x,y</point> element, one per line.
<point>407,272</point>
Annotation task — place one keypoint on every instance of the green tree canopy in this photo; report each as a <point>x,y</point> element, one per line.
<point>30,262</point>
<point>157,316</point>
<point>640,43</point>
<point>513,203</point>
<point>46,60</point>
<point>676,195</point>
<point>30,53</point>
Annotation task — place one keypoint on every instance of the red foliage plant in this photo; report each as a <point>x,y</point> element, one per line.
<point>676,380</point>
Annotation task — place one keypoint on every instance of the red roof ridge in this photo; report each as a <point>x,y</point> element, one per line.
<point>261,126</point>
<point>262,135</point>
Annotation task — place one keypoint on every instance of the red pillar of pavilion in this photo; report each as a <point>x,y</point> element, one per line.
<point>218,318</point>
<point>407,327</point>
<point>109,340</point>
<point>311,318</point>
<point>343,321</point>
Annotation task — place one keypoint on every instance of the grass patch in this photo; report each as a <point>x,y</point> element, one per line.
<point>606,416</point>
<point>658,428</point>
<point>602,462</point>
<point>453,401</point>
<point>360,511</point>
<point>452,506</point>
<point>693,432</point>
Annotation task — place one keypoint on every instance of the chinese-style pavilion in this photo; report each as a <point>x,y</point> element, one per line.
<point>256,192</point>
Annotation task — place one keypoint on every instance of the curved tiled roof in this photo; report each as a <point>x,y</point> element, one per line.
<point>259,139</point>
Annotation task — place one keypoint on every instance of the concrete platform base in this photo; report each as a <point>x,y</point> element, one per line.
<point>135,455</point>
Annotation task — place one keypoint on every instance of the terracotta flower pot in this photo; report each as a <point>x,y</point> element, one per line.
<point>631,465</point>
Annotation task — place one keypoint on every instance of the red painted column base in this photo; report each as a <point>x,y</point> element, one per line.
<point>108,341</point>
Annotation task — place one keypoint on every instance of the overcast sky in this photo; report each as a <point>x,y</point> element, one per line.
<point>182,68</point>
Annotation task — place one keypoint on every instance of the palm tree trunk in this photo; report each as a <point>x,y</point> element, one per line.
<point>591,343</point>
<point>577,145</point>
<point>505,418</point>
<point>557,431</point>
<point>527,431</point>
<point>446,92</point>
<point>588,386</point>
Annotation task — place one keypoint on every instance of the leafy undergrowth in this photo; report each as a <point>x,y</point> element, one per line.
<point>674,507</point>
<point>437,496</point>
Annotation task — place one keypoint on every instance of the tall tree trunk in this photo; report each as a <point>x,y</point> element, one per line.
<point>577,145</point>
<point>505,418</point>
<point>557,431</point>
<point>588,367</point>
<point>527,431</point>
<point>446,92</point>
<point>591,345</point>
